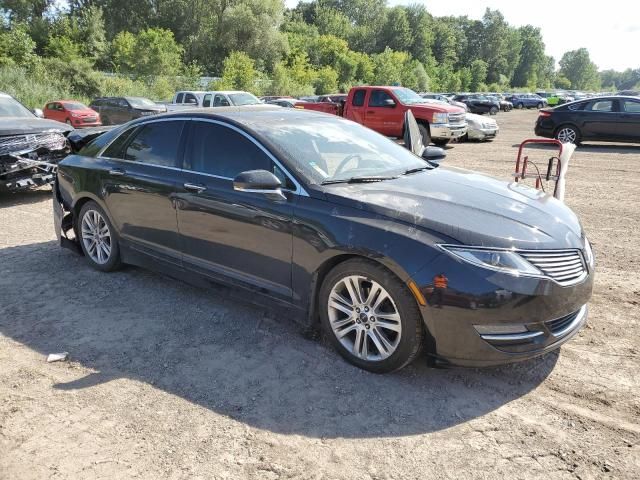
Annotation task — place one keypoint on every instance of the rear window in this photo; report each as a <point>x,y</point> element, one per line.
<point>630,106</point>
<point>601,106</point>
<point>358,98</point>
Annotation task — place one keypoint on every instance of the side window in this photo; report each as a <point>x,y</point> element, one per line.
<point>378,98</point>
<point>49,106</point>
<point>115,149</point>
<point>122,103</point>
<point>630,106</point>
<point>601,106</point>
<point>220,101</point>
<point>358,98</point>
<point>180,97</point>
<point>206,102</point>
<point>576,106</point>
<point>155,143</point>
<point>219,150</point>
<point>190,98</point>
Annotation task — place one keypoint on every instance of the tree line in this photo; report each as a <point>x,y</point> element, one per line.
<point>320,46</point>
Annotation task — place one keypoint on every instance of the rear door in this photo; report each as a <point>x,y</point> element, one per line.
<point>235,236</point>
<point>357,107</point>
<point>140,186</point>
<point>600,119</point>
<point>630,119</point>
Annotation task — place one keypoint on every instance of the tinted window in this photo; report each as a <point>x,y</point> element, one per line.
<point>220,101</point>
<point>115,149</point>
<point>206,102</point>
<point>190,98</point>
<point>378,98</point>
<point>155,143</point>
<point>179,98</point>
<point>630,106</point>
<point>122,103</point>
<point>576,106</point>
<point>358,98</point>
<point>219,150</point>
<point>601,106</point>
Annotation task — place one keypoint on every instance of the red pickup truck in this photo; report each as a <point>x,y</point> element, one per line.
<point>383,109</point>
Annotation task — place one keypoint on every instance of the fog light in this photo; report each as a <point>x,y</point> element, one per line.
<point>500,329</point>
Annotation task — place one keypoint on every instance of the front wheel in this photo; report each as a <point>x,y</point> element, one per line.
<point>493,111</point>
<point>370,316</point>
<point>426,136</point>
<point>519,106</point>
<point>97,238</point>
<point>540,105</point>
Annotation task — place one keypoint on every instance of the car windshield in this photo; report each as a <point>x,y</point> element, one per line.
<point>141,102</point>
<point>10,107</point>
<point>325,150</point>
<point>74,106</point>
<point>243,98</point>
<point>407,96</point>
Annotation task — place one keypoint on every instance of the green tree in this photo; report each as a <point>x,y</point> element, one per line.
<point>326,81</point>
<point>577,67</point>
<point>16,46</point>
<point>388,67</point>
<point>396,31</point>
<point>478,73</point>
<point>239,72</point>
<point>532,58</point>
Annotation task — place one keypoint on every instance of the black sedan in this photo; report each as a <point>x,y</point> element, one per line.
<point>604,119</point>
<point>386,251</point>
<point>479,103</point>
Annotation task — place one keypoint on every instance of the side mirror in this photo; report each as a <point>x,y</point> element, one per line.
<point>434,155</point>
<point>38,112</point>
<point>259,181</point>
<point>389,103</point>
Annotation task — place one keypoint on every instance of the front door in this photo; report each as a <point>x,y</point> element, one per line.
<point>140,186</point>
<point>630,119</point>
<point>234,236</point>
<point>384,114</point>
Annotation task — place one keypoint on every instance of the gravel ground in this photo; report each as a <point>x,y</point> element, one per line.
<point>169,381</point>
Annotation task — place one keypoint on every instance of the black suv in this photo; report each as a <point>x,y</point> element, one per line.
<point>116,110</point>
<point>605,119</point>
<point>479,103</point>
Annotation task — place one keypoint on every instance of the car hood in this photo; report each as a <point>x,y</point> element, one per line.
<point>29,126</point>
<point>469,207</point>
<point>434,107</point>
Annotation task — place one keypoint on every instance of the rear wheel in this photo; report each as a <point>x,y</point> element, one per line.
<point>540,105</point>
<point>568,134</point>
<point>97,238</point>
<point>494,110</point>
<point>370,316</point>
<point>519,106</point>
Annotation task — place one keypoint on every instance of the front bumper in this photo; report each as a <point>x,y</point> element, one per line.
<point>447,131</point>
<point>471,322</point>
<point>482,133</point>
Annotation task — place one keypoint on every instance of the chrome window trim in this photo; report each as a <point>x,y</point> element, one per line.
<point>299,190</point>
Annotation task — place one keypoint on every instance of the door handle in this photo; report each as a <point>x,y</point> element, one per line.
<point>194,187</point>
<point>117,172</point>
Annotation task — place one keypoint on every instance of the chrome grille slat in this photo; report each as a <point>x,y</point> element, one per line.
<point>564,266</point>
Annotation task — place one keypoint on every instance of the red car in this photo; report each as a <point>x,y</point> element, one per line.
<point>73,113</point>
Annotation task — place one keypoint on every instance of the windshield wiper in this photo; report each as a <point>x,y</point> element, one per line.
<point>359,180</point>
<point>418,169</point>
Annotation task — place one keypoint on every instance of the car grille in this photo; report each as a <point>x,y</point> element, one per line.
<point>566,267</point>
<point>560,326</point>
<point>21,144</point>
<point>456,118</point>
<point>89,119</point>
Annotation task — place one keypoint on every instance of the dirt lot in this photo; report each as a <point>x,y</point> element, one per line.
<point>169,381</point>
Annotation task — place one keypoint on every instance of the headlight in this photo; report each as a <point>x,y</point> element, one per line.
<point>505,261</point>
<point>440,117</point>
<point>588,253</point>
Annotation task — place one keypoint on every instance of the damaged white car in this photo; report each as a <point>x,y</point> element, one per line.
<point>480,127</point>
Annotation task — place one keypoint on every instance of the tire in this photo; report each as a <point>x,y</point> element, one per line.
<point>568,134</point>
<point>68,122</point>
<point>441,142</point>
<point>519,106</point>
<point>494,110</point>
<point>105,256</point>
<point>426,136</point>
<point>385,348</point>
<point>540,105</point>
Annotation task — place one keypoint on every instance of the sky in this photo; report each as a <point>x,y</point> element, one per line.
<point>609,30</point>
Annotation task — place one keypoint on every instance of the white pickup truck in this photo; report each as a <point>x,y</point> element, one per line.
<point>204,99</point>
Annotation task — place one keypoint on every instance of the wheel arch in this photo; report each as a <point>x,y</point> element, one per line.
<point>567,124</point>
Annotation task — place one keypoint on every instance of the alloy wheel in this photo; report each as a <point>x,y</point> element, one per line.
<point>364,318</point>
<point>567,135</point>
<point>96,237</point>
